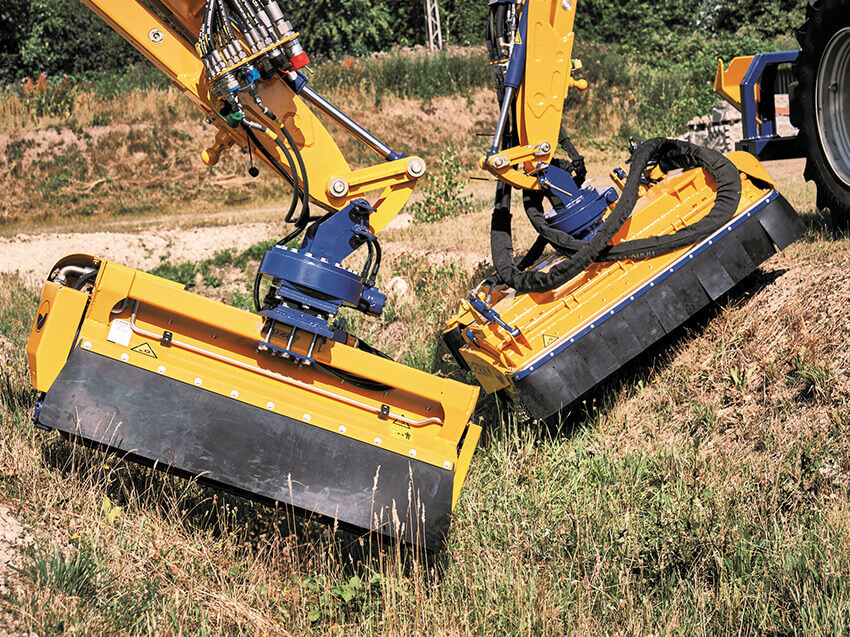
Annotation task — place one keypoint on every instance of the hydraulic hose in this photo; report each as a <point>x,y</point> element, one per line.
<point>304,217</point>
<point>244,18</point>
<point>670,153</point>
<point>367,266</point>
<point>374,274</point>
<point>297,191</point>
<point>205,37</point>
<point>224,17</point>
<point>293,180</point>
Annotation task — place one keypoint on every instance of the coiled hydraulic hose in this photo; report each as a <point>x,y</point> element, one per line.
<point>580,254</point>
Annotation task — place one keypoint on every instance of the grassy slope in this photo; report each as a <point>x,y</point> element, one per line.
<point>703,490</point>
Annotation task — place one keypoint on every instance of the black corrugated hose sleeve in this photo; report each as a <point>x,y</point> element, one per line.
<point>583,253</point>
<point>576,163</point>
<point>726,199</point>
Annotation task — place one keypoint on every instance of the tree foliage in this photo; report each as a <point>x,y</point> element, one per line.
<point>65,37</point>
<point>333,29</point>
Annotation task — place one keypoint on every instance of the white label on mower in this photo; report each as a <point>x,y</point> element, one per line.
<point>119,332</point>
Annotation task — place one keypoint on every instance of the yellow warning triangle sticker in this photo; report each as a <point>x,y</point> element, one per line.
<point>548,340</point>
<point>145,349</point>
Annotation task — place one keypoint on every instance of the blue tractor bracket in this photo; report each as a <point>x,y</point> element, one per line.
<point>758,116</point>
<point>310,285</point>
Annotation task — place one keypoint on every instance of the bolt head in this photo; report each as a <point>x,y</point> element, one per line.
<point>338,187</point>
<point>415,167</point>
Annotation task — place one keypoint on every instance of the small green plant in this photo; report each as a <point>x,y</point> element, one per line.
<point>443,193</point>
<point>211,280</point>
<point>80,573</point>
<point>43,97</point>
<point>330,602</point>
<point>740,379</point>
<point>183,273</point>
<point>241,299</point>
<point>814,379</point>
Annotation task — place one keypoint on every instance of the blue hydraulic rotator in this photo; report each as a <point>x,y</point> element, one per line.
<point>583,208</point>
<point>309,285</point>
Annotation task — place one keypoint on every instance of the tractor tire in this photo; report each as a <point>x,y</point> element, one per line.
<point>820,107</point>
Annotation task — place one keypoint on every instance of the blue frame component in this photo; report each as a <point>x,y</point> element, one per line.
<point>490,315</point>
<point>646,287</point>
<point>310,285</point>
<point>759,117</point>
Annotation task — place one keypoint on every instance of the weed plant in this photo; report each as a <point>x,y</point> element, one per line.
<point>443,192</point>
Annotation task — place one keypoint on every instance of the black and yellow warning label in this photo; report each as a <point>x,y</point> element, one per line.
<point>401,430</point>
<point>548,340</point>
<point>144,348</point>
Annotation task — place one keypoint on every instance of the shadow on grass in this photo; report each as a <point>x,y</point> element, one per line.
<point>822,226</point>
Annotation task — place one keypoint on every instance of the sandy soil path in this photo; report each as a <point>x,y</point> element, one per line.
<point>34,254</point>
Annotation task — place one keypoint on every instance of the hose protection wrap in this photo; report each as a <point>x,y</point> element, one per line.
<point>669,154</point>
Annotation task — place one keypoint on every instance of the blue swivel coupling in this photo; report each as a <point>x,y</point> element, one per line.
<point>581,209</point>
<point>310,285</point>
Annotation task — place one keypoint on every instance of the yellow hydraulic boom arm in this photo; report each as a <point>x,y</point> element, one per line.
<point>531,44</point>
<point>281,98</point>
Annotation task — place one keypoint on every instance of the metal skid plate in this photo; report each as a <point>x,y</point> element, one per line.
<point>255,452</point>
<point>706,273</point>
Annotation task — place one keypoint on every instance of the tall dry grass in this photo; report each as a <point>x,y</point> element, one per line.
<point>702,490</point>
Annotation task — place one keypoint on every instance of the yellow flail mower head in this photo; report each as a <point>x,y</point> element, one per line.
<point>133,363</point>
<point>567,321</point>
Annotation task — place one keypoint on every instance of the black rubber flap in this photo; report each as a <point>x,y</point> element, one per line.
<point>781,222</point>
<point>255,452</point>
<point>575,370</point>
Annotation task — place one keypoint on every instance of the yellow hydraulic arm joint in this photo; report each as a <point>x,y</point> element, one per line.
<point>537,78</point>
<point>170,45</point>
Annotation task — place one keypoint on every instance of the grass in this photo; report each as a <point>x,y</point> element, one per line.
<point>447,73</point>
<point>705,492</point>
<point>702,491</point>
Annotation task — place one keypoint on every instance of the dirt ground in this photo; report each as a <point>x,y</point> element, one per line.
<point>36,253</point>
<point>12,537</point>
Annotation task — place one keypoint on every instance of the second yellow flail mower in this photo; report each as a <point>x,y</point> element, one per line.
<point>566,321</point>
<point>282,403</point>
